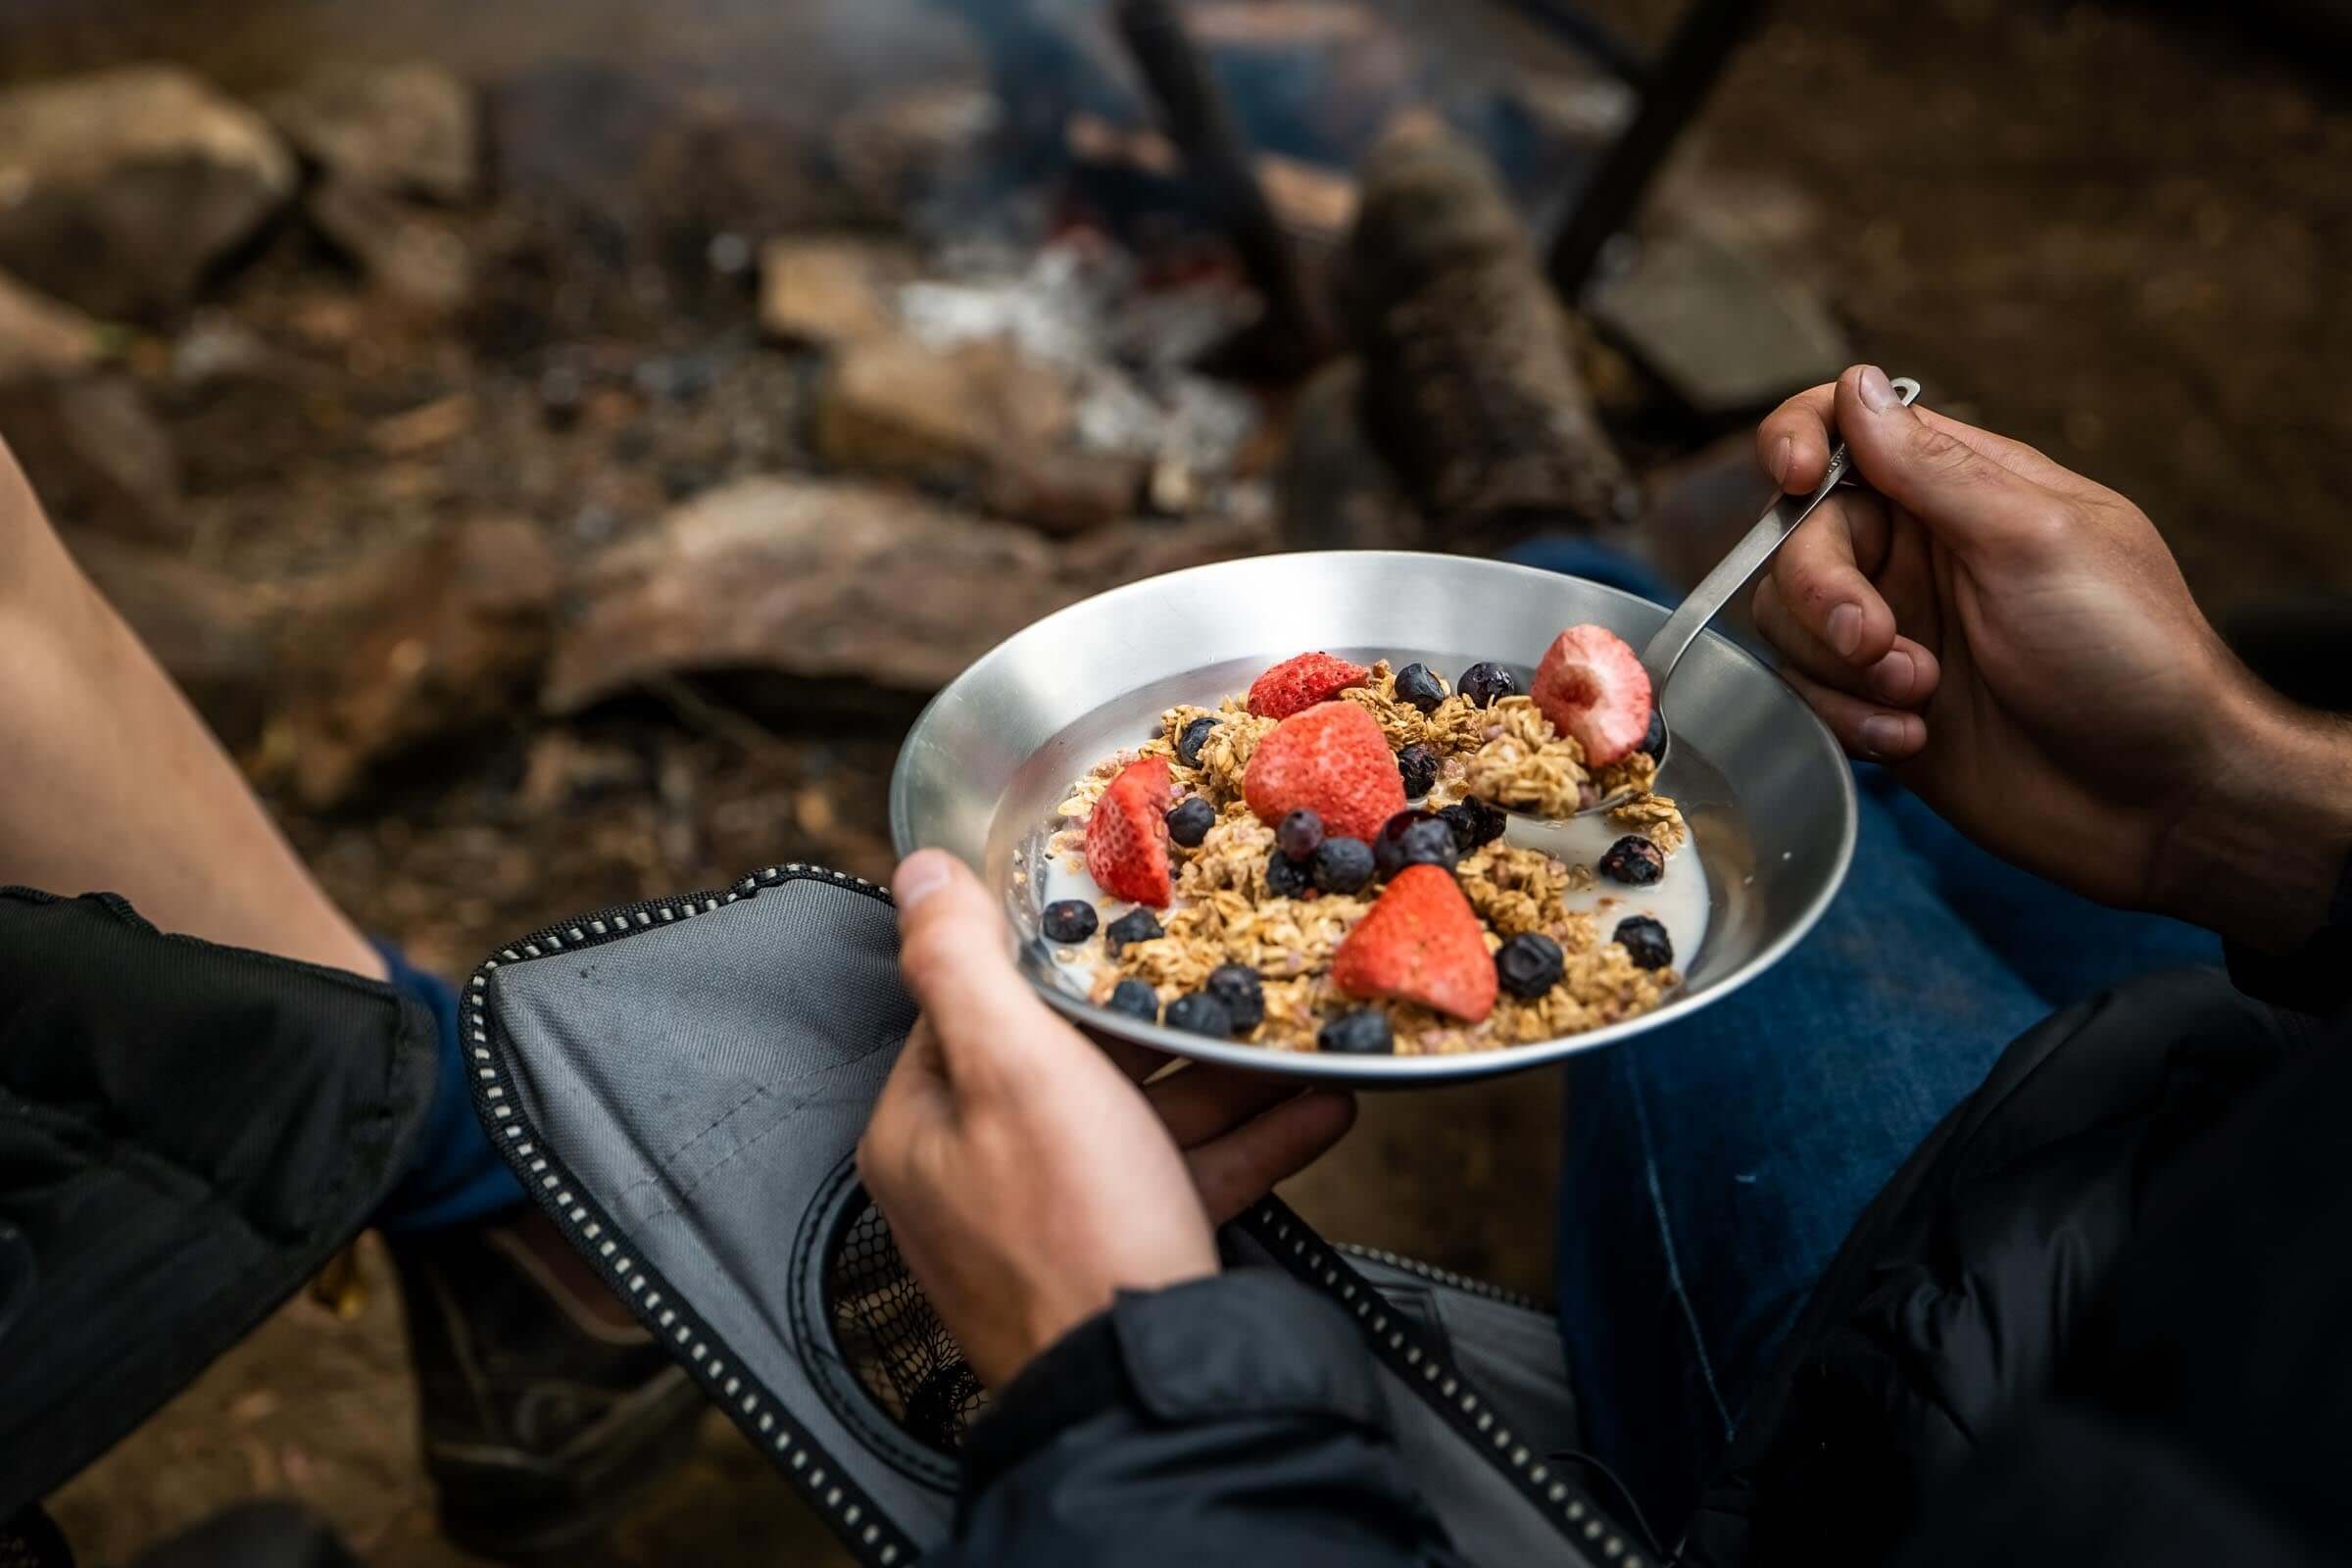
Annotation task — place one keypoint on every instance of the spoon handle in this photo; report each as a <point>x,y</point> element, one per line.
<point>1732,573</point>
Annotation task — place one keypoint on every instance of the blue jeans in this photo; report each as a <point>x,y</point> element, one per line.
<point>1713,1167</point>
<point>456,1176</point>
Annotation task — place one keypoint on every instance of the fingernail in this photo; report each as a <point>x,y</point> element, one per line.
<point>1881,734</point>
<point>1845,629</point>
<point>1894,675</point>
<point>919,875</point>
<point>1876,391</point>
<point>1784,452</point>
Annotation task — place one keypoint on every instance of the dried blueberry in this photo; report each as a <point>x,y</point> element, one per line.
<point>1135,1000</point>
<point>1418,766</point>
<point>1634,860</point>
<point>1299,834</point>
<point>1387,843</point>
<point>1236,984</point>
<point>1136,925</point>
<point>1191,740</point>
<point>1428,844</point>
<point>1529,964</point>
<point>1653,739</point>
<point>1198,1013</point>
<point>1484,683</point>
<point>1342,865</point>
<point>1288,879</point>
<point>1364,1033</point>
<point>1190,820</point>
<point>1414,838</point>
<point>1474,822</point>
<point>1418,685</point>
<point>1645,941</point>
<point>1069,920</point>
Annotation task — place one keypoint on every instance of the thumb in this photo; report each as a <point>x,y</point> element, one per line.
<point>955,956</point>
<point>1961,494</point>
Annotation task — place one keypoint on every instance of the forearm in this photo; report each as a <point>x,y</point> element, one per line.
<point>114,782</point>
<point>2261,857</point>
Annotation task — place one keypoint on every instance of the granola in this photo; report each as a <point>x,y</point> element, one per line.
<point>1225,911</point>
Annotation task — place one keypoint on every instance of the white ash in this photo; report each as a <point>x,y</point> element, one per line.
<point>1124,348</point>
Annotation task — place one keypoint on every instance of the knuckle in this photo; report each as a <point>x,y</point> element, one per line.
<point>2044,524</point>
<point>1942,452</point>
<point>1816,591</point>
<point>1815,586</point>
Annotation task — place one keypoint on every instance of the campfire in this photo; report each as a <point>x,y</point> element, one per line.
<point>576,422</point>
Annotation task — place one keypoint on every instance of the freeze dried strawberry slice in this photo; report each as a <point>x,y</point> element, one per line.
<point>1127,836</point>
<point>1420,943</point>
<point>1333,760</point>
<point>1297,684</point>
<point>1591,685</point>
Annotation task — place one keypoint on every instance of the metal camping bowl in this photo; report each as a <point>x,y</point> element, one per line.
<point>1762,784</point>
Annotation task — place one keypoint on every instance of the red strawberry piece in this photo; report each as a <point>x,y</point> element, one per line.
<point>1420,943</point>
<point>1333,760</point>
<point>1297,684</point>
<point>1127,836</point>
<point>1591,685</point>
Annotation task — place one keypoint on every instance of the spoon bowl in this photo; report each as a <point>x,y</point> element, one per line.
<point>1666,647</point>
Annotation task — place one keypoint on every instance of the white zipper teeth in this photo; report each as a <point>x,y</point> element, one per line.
<point>1440,1276</point>
<point>856,1522</point>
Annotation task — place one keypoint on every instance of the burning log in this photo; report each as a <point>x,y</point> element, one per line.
<point>1470,386</point>
<point>1204,129</point>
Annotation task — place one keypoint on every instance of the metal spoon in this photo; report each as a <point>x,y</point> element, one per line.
<point>1731,574</point>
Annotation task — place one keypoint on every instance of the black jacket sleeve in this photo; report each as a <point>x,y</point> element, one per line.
<point>1229,1421</point>
<point>188,1132</point>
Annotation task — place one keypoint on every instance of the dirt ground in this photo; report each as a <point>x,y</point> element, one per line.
<point>2108,231</point>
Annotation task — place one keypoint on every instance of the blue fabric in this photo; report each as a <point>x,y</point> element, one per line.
<point>1713,1167</point>
<point>1574,556</point>
<point>457,1176</point>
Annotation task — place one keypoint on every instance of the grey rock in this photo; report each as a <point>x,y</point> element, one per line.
<point>120,190</point>
<point>892,406</point>
<point>980,420</point>
<point>830,289</point>
<point>1718,322</point>
<point>838,580</point>
<point>409,648</point>
<point>412,127</point>
<point>41,339</point>
<point>96,455</point>
<point>405,250</point>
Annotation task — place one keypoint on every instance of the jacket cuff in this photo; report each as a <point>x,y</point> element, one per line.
<point>1247,1344</point>
<point>1251,1342</point>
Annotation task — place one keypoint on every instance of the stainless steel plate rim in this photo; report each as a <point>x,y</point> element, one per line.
<point>1376,1071</point>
